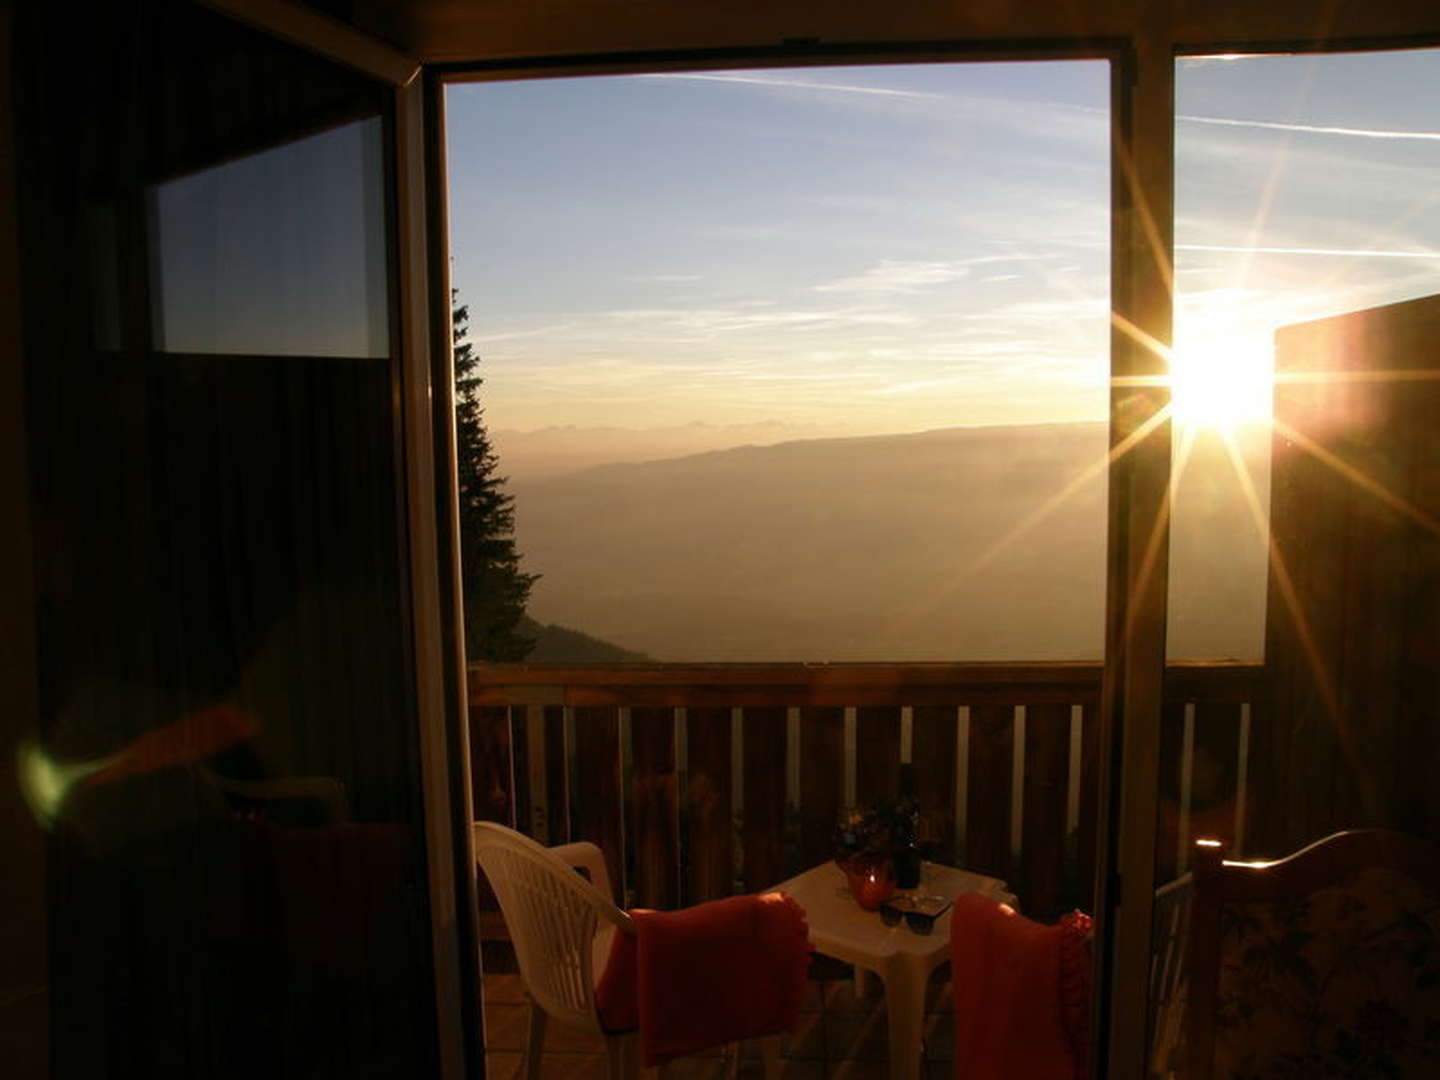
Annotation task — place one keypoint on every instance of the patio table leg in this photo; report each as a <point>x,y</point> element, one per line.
<point>905,978</point>
<point>535,1042</point>
<point>861,977</point>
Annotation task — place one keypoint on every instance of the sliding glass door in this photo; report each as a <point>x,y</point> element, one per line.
<point>228,769</point>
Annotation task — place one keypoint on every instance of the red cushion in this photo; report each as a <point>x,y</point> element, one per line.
<point>710,974</point>
<point>1077,973</point>
<point>1005,976</point>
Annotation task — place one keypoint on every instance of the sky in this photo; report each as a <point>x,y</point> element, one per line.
<point>864,248</point>
<point>887,248</point>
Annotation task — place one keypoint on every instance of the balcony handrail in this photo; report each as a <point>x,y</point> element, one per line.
<point>835,684</point>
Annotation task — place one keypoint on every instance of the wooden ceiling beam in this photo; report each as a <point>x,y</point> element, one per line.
<point>469,31</point>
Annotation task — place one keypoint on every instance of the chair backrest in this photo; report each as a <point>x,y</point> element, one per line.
<point>1166,999</point>
<point>1323,963</point>
<point>553,914</point>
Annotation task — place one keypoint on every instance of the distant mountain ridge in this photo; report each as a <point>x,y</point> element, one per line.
<point>953,544</point>
<point>561,645</point>
<point>555,450</point>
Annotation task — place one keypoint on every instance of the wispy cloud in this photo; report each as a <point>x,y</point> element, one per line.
<point>1357,253</point>
<point>514,335</point>
<point>896,276</point>
<point>798,84</point>
<point>729,320</point>
<point>913,275</point>
<point>1312,129</point>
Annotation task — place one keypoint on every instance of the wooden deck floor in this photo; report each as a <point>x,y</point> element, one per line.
<point>839,1036</point>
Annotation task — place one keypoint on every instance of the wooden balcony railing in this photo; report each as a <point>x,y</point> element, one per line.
<point>701,780</point>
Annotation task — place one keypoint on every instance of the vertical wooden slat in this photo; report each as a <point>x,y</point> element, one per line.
<point>599,808</point>
<point>654,822</point>
<point>822,780</point>
<point>933,733</point>
<point>627,804</point>
<point>491,778</point>
<point>794,768</point>
<point>520,767</point>
<point>877,753</point>
<point>1017,789</point>
<point>1242,780</point>
<point>710,839</point>
<point>763,832</point>
<point>1371,742</point>
<point>1047,775</point>
<point>849,795</point>
<point>1167,828</point>
<point>1264,801</point>
<point>962,785</point>
<point>1086,829</point>
<point>537,775</point>
<point>992,734</point>
<point>737,797</point>
<point>492,787</point>
<point>1215,772</point>
<point>557,783</point>
<point>1074,897</point>
<point>572,770</point>
<point>1187,777</point>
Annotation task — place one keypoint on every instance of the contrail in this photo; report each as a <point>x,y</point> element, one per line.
<point>760,80</point>
<point>1356,253</point>
<point>1313,129</point>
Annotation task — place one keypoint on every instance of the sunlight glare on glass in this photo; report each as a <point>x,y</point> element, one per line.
<point>1221,383</point>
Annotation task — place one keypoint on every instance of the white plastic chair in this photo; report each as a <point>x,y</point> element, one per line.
<point>562,926</point>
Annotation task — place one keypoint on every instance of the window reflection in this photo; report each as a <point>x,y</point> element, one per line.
<point>280,253</point>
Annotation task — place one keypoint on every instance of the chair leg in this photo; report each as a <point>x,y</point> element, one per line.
<point>623,1057</point>
<point>770,1052</point>
<point>860,980</point>
<point>615,1058</point>
<point>535,1042</point>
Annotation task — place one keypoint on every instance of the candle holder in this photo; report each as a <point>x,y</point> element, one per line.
<point>871,880</point>
<point>887,830</point>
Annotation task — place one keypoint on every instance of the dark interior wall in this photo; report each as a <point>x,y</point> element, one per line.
<point>1348,738</point>
<point>222,603</point>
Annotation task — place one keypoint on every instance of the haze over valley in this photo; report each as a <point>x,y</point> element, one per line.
<point>941,545</point>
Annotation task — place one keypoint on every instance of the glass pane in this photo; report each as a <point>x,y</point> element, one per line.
<point>1305,526</point>
<point>226,775</point>
<point>812,364</point>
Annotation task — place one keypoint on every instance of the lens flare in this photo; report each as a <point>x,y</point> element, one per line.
<point>46,783</point>
<point>1220,384</point>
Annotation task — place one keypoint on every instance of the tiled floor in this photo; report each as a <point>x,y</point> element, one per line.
<point>838,1036</point>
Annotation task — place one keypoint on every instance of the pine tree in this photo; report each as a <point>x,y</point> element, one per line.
<point>495,588</point>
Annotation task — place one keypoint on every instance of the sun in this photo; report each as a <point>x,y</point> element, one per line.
<point>1221,383</point>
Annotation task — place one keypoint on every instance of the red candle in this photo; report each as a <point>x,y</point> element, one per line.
<point>872,886</point>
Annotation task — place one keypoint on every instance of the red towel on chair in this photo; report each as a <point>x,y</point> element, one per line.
<point>711,974</point>
<point>1005,972</point>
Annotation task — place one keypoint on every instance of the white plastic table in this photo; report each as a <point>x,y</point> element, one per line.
<point>903,959</point>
